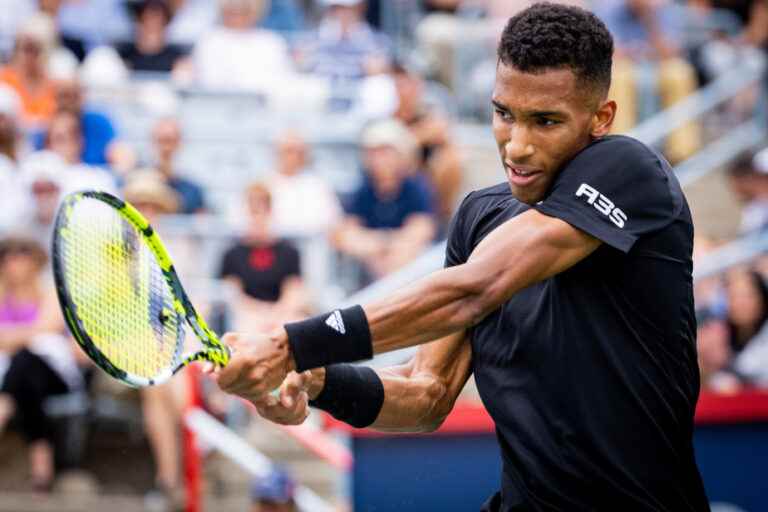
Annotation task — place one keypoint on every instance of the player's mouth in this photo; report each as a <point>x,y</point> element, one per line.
<point>521,175</point>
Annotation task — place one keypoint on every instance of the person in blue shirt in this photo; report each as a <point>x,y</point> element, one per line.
<point>99,133</point>
<point>166,140</point>
<point>390,217</point>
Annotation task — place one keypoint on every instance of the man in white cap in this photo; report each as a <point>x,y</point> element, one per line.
<point>390,217</point>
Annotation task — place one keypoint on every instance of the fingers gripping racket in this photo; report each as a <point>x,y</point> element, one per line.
<point>120,294</point>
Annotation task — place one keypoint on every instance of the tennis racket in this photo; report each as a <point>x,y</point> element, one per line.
<point>120,295</point>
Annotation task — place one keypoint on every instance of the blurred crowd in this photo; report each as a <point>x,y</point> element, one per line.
<point>384,63</point>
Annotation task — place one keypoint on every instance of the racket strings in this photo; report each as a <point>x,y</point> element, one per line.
<point>119,290</point>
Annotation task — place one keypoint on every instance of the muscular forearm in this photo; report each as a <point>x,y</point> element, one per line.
<point>418,395</point>
<point>413,403</point>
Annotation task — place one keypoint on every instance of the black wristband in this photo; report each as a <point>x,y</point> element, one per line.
<point>352,394</point>
<point>342,336</point>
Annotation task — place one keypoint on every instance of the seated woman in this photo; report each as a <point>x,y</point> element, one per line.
<point>150,50</point>
<point>266,270</point>
<point>39,361</point>
<point>734,352</point>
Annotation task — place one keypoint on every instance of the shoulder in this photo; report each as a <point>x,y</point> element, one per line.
<point>482,209</point>
<point>286,247</point>
<point>621,146</point>
<point>623,162</point>
<point>235,249</point>
<point>481,200</point>
<point>94,118</point>
<point>184,184</point>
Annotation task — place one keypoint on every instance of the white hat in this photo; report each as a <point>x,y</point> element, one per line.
<point>760,161</point>
<point>10,103</point>
<point>390,132</point>
<point>43,166</point>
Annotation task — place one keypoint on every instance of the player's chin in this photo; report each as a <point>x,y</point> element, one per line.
<point>528,195</point>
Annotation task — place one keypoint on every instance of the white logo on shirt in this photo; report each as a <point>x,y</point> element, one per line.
<point>335,322</point>
<point>602,204</point>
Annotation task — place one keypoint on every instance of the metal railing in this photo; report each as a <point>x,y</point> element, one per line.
<point>655,129</point>
<point>235,448</point>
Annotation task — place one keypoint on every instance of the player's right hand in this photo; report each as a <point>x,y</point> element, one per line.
<point>292,406</point>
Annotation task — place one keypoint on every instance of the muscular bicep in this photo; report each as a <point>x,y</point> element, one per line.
<point>419,394</point>
<point>524,250</point>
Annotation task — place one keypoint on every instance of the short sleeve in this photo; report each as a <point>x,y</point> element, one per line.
<point>228,267</point>
<point>456,245</point>
<point>420,196</point>
<point>356,203</point>
<point>617,190</point>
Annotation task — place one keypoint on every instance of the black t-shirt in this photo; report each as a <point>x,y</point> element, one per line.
<point>262,270</point>
<point>161,61</point>
<point>591,376</point>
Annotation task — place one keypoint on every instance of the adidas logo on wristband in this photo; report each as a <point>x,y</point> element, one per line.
<point>335,322</point>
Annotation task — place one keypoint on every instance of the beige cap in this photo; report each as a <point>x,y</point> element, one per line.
<point>148,186</point>
<point>390,132</point>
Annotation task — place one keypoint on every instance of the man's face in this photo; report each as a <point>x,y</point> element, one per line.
<point>65,138</point>
<point>167,139</point>
<point>386,167</point>
<point>540,121</point>
<point>69,95</point>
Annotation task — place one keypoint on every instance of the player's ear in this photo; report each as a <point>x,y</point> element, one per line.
<point>602,119</point>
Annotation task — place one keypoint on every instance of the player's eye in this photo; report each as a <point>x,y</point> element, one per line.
<point>546,121</point>
<point>503,114</point>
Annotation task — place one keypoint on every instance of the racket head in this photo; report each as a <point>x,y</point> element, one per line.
<point>119,292</point>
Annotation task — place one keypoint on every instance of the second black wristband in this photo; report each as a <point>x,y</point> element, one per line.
<point>342,336</point>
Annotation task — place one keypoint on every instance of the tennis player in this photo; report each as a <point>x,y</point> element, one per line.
<point>567,292</point>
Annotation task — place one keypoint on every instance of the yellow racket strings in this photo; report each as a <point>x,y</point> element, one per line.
<point>119,290</point>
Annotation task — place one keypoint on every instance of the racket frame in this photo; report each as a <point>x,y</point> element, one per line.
<point>215,351</point>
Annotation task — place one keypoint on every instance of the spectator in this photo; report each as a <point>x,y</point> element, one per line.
<point>303,204</point>
<point>648,52</point>
<point>745,343</point>
<point>167,139</point>
<point>65,139</point>
<point>27,73</point>
<point>390,217</point>
<point>149,50</point>
<point>41,177</point>
<point>719,54</point>
<point>98,133</point>
<point>41,362</point>
<point>438,156</point>
<point>344,46</point>
<point>237,55</point>
<point>266,270</point>
<point>274,493</point>
<point>749,180</point>
<point>10,183</point>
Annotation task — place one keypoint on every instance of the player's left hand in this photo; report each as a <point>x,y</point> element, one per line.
<point>258,365</point>
<point>292,406</point>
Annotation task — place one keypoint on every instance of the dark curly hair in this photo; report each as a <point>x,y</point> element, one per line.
<point>550,36</point>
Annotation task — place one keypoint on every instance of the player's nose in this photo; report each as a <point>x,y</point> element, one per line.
<point>518,146</point>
